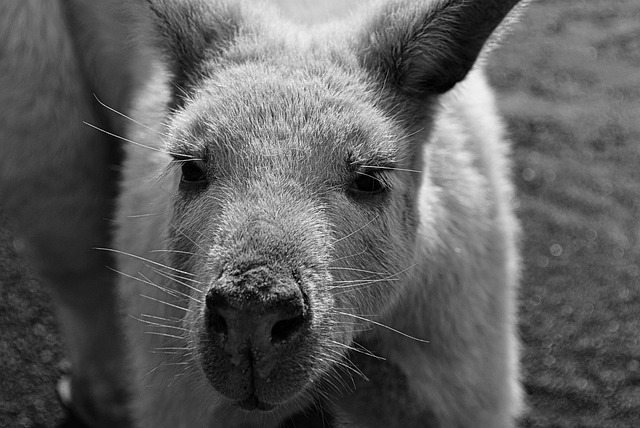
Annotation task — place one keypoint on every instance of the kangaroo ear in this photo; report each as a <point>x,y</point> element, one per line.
<point>192,34</point>
<point>424,48</point>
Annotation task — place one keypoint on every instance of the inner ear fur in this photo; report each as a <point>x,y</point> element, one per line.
<point>423,48</point>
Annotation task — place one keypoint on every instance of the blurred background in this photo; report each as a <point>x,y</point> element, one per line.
<point>568,79</point>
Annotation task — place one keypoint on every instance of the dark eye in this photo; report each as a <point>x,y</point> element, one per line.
<point>367,183</point>
<point>193,172</point>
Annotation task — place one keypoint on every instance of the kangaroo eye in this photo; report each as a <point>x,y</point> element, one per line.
<point>193,172</point>
<point>368,183</point>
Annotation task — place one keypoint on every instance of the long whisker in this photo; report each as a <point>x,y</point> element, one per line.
<point>383,326</point>
<point>142,215</point>
<point>168,250</point>
<point>147,281</point>
<point>155,317</point>
<point>177,229</point>
<point>357,270</point>
<point>169,277</point>
<point>155,324</point>
<point>128,118</point>
<point>361,349</point>
<point>357,230</point>
<point>174,348</point>
<point>366,281</point>
<point>373,272</point>
<point>135,143</point>
<point>347,288</point>
<point>345,364</point>
<point>175,276</point>
<point>350,256</point>
<point>157,333</point>
<point>124,253</point>
<point>183,91</point>
<point>169,291</point>
<point>165,303</point>
<point>350,367</point>
<point>391,168</point>
<point>416,132</point>
<point>363,281</point>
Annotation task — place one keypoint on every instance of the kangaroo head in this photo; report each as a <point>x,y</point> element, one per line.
<point>297,167</point>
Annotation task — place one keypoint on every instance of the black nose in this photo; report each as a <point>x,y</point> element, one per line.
<point>260,323</point>
<point>252,318</point>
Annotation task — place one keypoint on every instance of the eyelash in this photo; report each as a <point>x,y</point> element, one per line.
<point>193,172</point>
<point>369,183</point>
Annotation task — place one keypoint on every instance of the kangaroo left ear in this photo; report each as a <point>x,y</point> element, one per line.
<point>191,35</point>
<point>424,48</point>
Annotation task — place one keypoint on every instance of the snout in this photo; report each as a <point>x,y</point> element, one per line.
<point>254,326</point>
<point>256,319</point>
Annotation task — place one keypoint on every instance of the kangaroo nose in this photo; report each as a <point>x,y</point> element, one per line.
<point>252,321</point>
<point>261,323</point>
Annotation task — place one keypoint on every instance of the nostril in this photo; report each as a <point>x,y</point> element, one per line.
<point>217,323</point>
<point>285,329</point>
<point>215,303</point>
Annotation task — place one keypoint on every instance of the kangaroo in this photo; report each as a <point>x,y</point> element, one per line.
<point>313,227</point>
<point>324,220</point>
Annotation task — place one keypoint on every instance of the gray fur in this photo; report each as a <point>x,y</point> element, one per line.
<point>282,124</point>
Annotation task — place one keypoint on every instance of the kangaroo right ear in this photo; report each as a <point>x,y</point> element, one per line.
<point>192,34</point>
<point>423,48</point>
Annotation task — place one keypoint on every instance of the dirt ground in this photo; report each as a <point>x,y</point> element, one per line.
<point>569,84</point>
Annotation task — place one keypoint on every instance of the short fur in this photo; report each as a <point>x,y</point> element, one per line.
<point>359,171</point>
<point>281,126</point>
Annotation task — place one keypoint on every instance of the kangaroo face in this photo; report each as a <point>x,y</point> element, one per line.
<point>294,209</point>
<point>297,167</point>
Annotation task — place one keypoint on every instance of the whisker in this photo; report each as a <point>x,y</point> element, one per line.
<point>135,143</point>
<point>142,215</point>
<point>366,175</point>
<point>349,256</point>
<point>188,253</point>
<point>357,230</point>
<point>416,132</point>
<point>348,288</point>
<point>360,349</point>
<point>128,118</point>
<point>158,333</point>
<point>357,270</point>
<point>147,281</point>
<point>173,348</point>
<point>155,324</point>
<point>391,168</point>
<point>366,281</point>
<point>177,229</point>
<point>152,370</point>
<point>363,281</point>
<point>155,317</point>
<point>165,303</point>
<point>348,366</point>
<point>174,276</point>
<point>179,282</point>
<point>183,91</point>
<point>124,253</point>
<point>383,326</point>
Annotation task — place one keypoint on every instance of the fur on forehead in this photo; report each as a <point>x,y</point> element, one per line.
<point>357,82</point>
<point>307,105</point>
